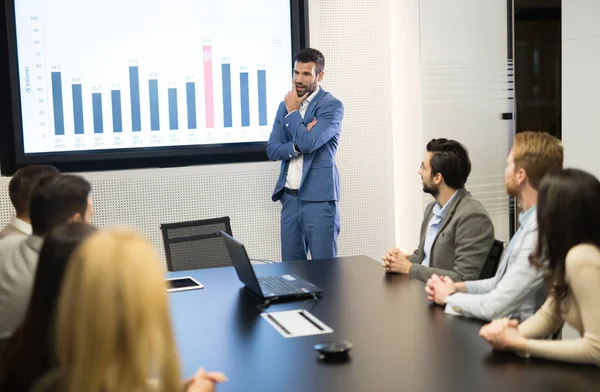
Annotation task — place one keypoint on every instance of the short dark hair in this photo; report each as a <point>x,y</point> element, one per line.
<point>310,55</point>
<point>451,160</point>
<point>568,212</point>
<point>29,351</point>
<point>23,182</point>
<point>56,199</point>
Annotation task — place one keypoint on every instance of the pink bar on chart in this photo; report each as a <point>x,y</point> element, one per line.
<point>208,87</point>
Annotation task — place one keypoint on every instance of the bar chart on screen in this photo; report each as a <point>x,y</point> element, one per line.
<point>128,86</point>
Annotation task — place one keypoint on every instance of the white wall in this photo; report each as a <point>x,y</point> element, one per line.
<point>581,83</point>
<point>405,118</point>
<point>351,33</point>
<point>581,90</point>
<point>449,77</point>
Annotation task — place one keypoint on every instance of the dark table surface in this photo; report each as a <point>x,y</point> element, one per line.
<point>401,342</point>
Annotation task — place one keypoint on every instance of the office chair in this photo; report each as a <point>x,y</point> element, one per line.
<point>493,260</point>
<point>196,244</point>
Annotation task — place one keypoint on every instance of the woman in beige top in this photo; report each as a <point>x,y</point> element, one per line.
<point>569,239</point>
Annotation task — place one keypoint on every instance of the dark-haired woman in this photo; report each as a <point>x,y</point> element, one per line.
<point>569,251</point>
<point>29,352</point>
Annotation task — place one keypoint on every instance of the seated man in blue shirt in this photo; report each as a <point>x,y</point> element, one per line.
<point>517,289</point>
<point>456,233</point>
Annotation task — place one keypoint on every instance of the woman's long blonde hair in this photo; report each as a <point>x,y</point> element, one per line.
<point>113,327</point>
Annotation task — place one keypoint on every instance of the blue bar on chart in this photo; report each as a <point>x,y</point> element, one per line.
<point>154,114</point>
<point>173,120</point>
<point>245,99</point>
<point>57,103</point>
<point>226,74</point>
<point>117,118</point>
<point>190,93</point>
<point>262,97</point>
<point>97,110</point>
<point>134,93</point>
<point>77,108</point>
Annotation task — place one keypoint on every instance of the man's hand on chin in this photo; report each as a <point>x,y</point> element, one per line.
<point>292,101</point>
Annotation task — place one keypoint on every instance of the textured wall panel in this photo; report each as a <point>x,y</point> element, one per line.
<point>351,35</point>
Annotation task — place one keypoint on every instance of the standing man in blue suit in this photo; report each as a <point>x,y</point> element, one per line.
<point>305,138</point>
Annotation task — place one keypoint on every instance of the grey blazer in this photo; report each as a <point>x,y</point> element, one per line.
<point>462,243</point>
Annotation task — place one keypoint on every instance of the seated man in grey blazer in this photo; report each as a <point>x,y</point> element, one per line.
<point>19,191</point>
<point>55,201</point>
<point>456,233</point>
<point>517,290</point>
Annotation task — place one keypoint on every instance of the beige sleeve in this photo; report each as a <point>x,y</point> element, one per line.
<point>543,323</point>
<point>583,275</point>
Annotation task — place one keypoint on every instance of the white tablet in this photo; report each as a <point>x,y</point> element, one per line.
<point>183,283</point>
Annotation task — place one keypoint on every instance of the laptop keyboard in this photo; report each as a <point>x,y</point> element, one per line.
<point>278,286</point>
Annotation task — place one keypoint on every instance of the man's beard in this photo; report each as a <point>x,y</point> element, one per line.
<point>432,190</point>
<point>309,89</point>
<point>512,189</point>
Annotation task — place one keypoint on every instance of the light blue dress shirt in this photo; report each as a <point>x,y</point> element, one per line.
<point>517,289</point>
<point>433,227</point>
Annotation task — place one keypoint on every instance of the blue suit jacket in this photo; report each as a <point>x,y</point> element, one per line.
<point>320,176</point>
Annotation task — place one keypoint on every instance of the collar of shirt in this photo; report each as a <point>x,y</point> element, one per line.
<point>439,211</point>
<point>304,105</point>
<point>525,217</point>
<point>21,225</point>
<point>311,96</point>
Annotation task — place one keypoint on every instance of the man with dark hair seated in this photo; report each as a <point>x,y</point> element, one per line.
<point>19,191</point>
<point>456,233</point>
<point>517,288</point>
<point>55,201</point>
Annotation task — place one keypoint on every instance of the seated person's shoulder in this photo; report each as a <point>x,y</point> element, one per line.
<point>9,244</point>
<point>583,255</point>
<point>469,205</point>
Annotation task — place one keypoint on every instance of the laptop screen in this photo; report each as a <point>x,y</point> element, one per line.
<point>242,264</point>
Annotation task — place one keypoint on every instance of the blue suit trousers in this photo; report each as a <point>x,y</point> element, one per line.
<point>308,226</point>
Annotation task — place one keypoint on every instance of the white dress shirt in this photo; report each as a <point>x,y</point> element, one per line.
<point>294,173</point>
<point>19,260</point>
<point>16,226</point>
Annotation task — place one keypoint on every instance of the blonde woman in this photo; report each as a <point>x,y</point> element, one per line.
<point>113,327</point>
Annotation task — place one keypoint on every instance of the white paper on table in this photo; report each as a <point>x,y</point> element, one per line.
<point>294,323</point>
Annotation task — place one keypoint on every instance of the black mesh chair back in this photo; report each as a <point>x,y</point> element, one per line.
<point>493,260</point>
<point>196,244</point>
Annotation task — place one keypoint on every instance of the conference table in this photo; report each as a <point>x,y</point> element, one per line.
<point>401,341</point>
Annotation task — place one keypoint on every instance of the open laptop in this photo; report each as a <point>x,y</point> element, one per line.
<point>285,286</point>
